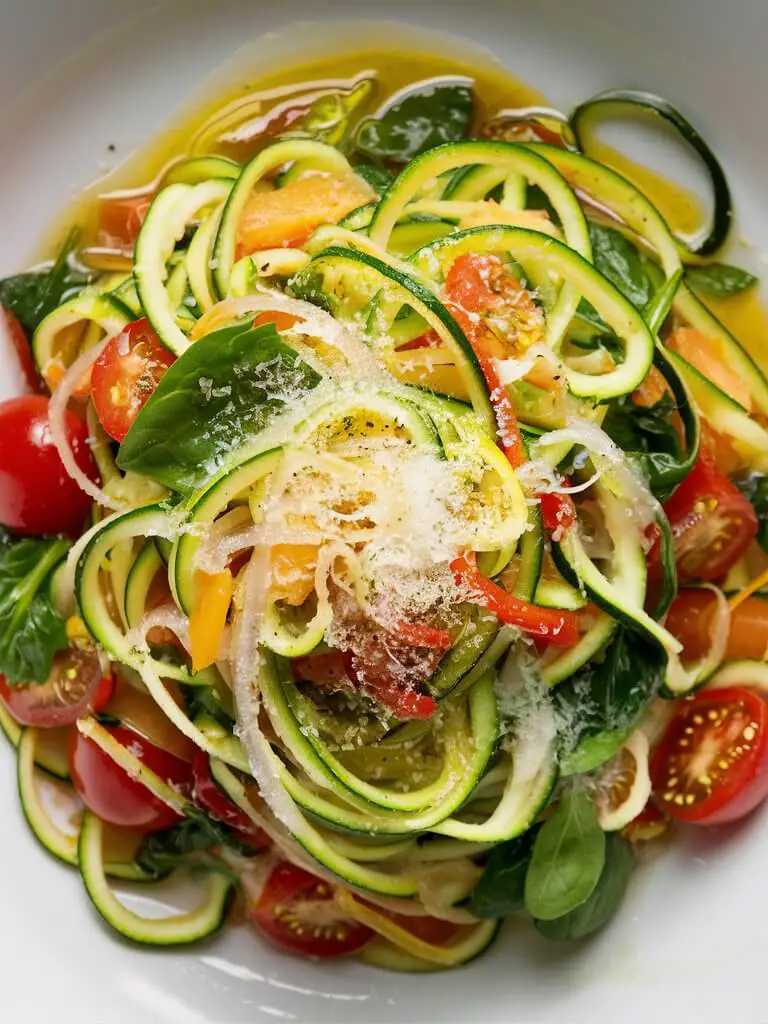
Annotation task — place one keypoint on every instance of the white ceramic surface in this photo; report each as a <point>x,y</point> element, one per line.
<point>76,75</point>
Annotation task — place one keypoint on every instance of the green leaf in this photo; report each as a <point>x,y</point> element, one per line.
<point>618,260</point>
<point>328,118</point>
<point>161,852</point>
<point>215,398</point>
<point>719,280</point>
<point>377,177</point>
<point>31,630</point>
<point>567,860</point>
<point>755,490</point>
<point>598,909</point>
<point>501,887</point>
<point>425,117</point>
<point>602,703</point>
<point>31,296</point>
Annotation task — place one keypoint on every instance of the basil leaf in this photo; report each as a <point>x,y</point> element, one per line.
<point>31,630</point>
<point>31,296</point>
<point>598,909</point>
<point>602,703</point>
<point>188,841</point>
<point>618,260</point>
<point>500,889</point>
<point>567,860</point>
<point>427,116</point>
<point>217,396</point>
<point>719,280</point>
<point>755,490</point>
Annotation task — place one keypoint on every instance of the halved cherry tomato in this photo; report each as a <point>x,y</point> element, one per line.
<point>37,495</point>
<point>298,912</point>
<point>712,523</point>
<point>126,375</point>
<point>429,929</point>
<point>651,823</point>
<point>136,710</point>
<point>23,350</point>
<point>711,766</point>
<point>210,797</point>
<point>120,219</point>
<point>108,790</point>
<point>553,625</point>
<point>690,617</point>
<point>75,684</point>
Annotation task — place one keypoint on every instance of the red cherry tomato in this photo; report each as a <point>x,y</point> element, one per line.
<point>209,796</point>
<point>37,495</point>
<point>108,791</point>
<point>75,684</point>
<point>712,523</point>
<point>711,766</point>
<point>297,912</point>
<point>126,375</point>
<point>23,350</point>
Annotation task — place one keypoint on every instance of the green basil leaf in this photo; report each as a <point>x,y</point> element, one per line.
<point>31,296</point>
<point>216,397</point>
<point>501,887</point>
<point>161,852</point>
<point>31,630</point>
<point>755,490</point>
<point>603,701</point>
<point>618,260</point>
<point>567,860</point>
<point>598,909</point>
<point>719,280</point>
<point>427,116</point>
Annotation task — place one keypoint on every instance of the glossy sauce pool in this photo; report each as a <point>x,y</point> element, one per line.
<point>250,106</point>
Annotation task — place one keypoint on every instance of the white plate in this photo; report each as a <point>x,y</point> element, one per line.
<point>77,76</point>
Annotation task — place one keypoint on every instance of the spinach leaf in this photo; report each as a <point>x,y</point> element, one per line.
<point>598,909</point>
<point>719,280</point>
<point>567,860</point>
<point>161,852</point>
<point>601,704</point>
<point>427,116</point>
<point>755,489</point>
<point>618,260</point>
<point>31,630</point>
<point>219,394</point>
<point>31,296</point>
<point>500,889</point>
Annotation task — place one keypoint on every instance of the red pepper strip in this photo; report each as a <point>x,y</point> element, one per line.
<point>417,634</point>
<point>556,626</point>
<point>558,511</point>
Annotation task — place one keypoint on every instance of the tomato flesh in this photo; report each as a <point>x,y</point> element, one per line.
<point>712,523</point>
<point>690,618</point>
<point>209,796</point>
<point>107,790</point>
<point>711,766</point>
<point>126,375</point>
<point>23,350</point>
<point>37,495</point>
<point>76,683</point>
<point>297,911</point>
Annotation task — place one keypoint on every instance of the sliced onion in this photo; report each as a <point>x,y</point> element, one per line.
<point>57,413</point>
<point>511,370</point>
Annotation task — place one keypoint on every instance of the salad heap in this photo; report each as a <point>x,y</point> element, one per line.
<point>379,534</point>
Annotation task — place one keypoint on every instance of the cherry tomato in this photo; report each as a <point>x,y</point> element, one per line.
<point>120,219</point>
<point>37,495</point>
<point>429,929</point>
<point>75,684</point>
<point>209,796</point>
<point>712,523</point>
<point>558,511</point>
<point>126,375</point>
<point>690,617</point>
<point>711,766</point>
<point>112,794</point>
<point>138,711</point>
<point>23,350</point>
<point>297,911</point>
<point>651,823</point>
